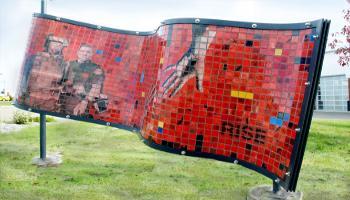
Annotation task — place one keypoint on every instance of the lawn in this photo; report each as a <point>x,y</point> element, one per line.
<point>5,103</point>
<point>106,163</point>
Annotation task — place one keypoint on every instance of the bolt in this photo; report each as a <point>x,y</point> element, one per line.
<point>307,24</point>
<point>235,162</point>
<point>297,129</point>
<point>183,152</point>
<point>29,109</point>
<point>197,21</point>
<point>108,124</point>
<point>254,25</point>
<point>277,180</point>
<point>67,116</point>
<point>58,18</point>
<point>315,36</point>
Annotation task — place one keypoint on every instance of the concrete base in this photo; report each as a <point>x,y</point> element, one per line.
<point>52,160</point>
<point>264,192</point>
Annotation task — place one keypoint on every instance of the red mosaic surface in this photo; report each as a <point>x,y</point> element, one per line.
<point>226,91</point>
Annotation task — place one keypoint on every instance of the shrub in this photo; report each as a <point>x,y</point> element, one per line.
<point>21,118</point>
<point>50,119</point>
<point>37,119</point>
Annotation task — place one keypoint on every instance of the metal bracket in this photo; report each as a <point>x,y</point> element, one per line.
<point>276,186</point>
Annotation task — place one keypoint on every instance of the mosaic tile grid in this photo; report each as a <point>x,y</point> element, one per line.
<point>227,91</point>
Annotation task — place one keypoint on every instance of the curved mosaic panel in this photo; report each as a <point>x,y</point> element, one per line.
<point>238,92</point>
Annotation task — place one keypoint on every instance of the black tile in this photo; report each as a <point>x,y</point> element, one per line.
<point>249,43</point>
<point>248,146</point>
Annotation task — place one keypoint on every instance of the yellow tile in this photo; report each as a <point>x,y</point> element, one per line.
<point>234,93</point>
<point>161,61</point>
<point>278,52</point>
<point>242,94</point>
<point>249,95</point>
<point>143,94</point>
<point>160,124</point>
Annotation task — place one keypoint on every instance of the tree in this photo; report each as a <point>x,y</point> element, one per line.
<point>341,41</point>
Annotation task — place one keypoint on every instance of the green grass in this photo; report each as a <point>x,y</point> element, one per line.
<point>106,163</point>
<point>5,103</point>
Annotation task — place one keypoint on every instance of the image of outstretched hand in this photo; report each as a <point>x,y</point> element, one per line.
<point>190,65</point>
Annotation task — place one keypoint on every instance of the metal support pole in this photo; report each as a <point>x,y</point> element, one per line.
<point>42,136</point>
<point>43,116</point>
<point>43,6</point>
<point>275,187</point>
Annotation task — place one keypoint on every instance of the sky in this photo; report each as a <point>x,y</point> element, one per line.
<point>15,20</point>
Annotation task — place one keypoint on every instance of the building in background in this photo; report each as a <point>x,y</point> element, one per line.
<point>333,93</point>
<point>334,88</point>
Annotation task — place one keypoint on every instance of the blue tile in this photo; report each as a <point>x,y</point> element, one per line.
<point>118,59</point>
<point>117,46</point>
<point>99,51</point>
<point>297,60</point>
<point>283,116</point>
<point>142,77</point>
<point>301,60</point>
<point>160,130</point>
<point>257,36</point>
<point>311,38</point>
<point>286,117</point>
<point>276,121</point>
<point>280,115</point>
<point>295,33</point>
<point>272,120</point>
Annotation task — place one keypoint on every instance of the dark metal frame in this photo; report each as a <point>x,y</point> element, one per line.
<point>320,27</point>
<point>308,103</point>
<point>200,21</point>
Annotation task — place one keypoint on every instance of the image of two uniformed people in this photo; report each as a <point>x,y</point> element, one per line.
<point>51,84</point>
